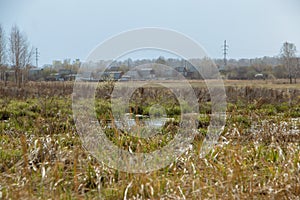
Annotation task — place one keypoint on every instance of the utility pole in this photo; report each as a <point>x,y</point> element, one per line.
<point>225,50</point>
<point>36,57</point>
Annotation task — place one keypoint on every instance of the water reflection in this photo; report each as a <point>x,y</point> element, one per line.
<point>141,120</point>
<point>140,125</point>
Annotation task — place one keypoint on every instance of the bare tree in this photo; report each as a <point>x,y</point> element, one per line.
<point>20,53</point>
<point>2,54</point>
<point>288,54</point>
<point>297,69</point>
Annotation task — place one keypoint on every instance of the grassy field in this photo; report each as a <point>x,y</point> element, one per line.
<point>257,156</point>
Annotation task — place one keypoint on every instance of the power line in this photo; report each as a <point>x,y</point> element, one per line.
<point>225,52</point>
<point>37,55</point>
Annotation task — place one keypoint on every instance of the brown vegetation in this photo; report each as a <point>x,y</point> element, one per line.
<point>258,154</point>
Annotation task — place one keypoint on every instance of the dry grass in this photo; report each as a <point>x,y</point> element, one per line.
<point>258,154</point>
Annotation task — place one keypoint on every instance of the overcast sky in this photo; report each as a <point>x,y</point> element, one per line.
<point>72,28</point>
